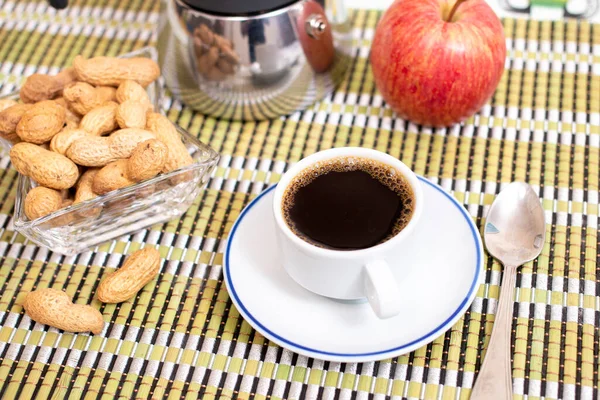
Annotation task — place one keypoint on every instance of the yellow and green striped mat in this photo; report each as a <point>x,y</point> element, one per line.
<point>182,338</point>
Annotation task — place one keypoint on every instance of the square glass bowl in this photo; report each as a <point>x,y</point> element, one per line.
<point>80,227</point>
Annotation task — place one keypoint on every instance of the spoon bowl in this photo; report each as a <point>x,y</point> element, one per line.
<point>515,227</point>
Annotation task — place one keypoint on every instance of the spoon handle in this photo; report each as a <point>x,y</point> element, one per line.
<point>494,381</point>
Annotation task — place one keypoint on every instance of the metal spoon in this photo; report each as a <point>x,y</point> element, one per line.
<point>515,231</point>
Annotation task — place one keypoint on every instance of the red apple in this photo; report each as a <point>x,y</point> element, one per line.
<point>437,62</point>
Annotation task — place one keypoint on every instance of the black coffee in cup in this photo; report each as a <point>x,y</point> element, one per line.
<point>348,203</point>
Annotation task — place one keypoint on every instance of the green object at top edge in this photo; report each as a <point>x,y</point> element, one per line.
<point>549,3</point>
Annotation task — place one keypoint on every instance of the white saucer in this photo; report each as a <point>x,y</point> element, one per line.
<point>439,278</point>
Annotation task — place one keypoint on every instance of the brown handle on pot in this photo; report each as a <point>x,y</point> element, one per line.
<point>315,36</point>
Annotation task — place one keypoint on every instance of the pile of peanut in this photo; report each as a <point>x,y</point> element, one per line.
<point>215,56</point>
<point>87,131</point>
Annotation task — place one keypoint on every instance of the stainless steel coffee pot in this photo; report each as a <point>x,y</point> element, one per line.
<point>252,60</point>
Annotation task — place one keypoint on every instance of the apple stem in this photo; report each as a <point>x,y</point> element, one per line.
<point>454,8</point>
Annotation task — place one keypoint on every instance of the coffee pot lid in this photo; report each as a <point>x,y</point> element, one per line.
<point>233,8</point>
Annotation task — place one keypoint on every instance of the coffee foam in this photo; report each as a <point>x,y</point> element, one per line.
<point>386,174</point>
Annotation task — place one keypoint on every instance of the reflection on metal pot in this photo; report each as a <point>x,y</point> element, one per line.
<point>253,67</point>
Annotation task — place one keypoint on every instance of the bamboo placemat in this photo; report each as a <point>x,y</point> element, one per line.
<point>181,337</point>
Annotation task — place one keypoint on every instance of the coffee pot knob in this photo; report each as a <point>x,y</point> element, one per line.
<point>315,25</point>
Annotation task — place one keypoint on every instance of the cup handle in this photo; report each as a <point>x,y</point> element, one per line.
<point>381,289</point>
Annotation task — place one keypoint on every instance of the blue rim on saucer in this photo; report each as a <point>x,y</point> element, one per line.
<point>440,329</point>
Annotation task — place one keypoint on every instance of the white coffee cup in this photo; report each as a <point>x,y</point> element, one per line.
<point>339,274</point>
